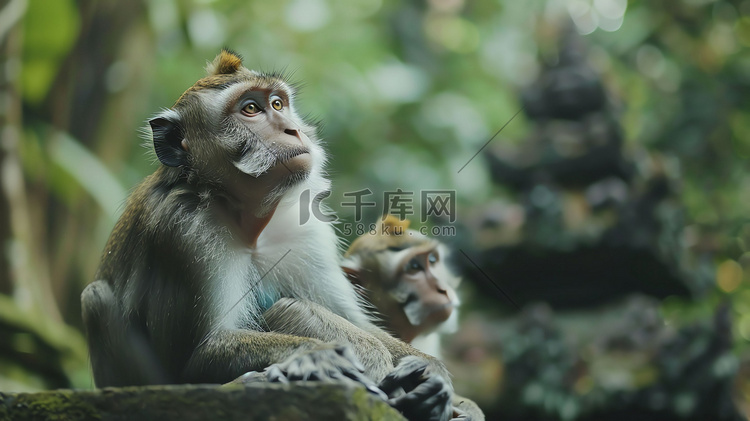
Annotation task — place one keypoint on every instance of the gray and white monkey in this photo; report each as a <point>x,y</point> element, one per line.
<point>209,275</point>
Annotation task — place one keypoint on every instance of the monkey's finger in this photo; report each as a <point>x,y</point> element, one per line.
<point>429,400</point>
<point>389,385</point>
<point>407,380</point>
<point>377,392</point>
<point>422,410</point>
<point>354,374</point>
<point>320,371</point>
<point>369,384</point>
<point>314,376</point>
<point>323,374</point>
<point>294,370</point>
<point>362,380</point>
<point>431,389</point>
<point>275,375</point>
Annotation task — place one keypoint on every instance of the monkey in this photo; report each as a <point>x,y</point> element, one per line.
<point>209,275</point>
<point>403,274</point>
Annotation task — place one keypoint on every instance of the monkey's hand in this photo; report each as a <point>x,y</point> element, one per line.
<point>327,363</point>
<point>417,392</point>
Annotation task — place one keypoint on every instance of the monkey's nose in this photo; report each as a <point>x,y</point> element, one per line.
<point>292,132</point>
<point>296,133</point>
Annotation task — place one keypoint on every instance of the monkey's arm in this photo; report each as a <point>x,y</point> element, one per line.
<point>303,318</point>
<point>242,354</point>
<point>226,354</point>
<point>232,354</point>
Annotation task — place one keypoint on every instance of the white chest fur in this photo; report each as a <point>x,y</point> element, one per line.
<point>290,260</point>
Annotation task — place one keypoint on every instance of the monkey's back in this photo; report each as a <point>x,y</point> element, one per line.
<point>154,274</point>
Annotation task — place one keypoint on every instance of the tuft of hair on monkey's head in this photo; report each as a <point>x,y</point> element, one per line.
<point>227,62</point>
<point>392,233</point>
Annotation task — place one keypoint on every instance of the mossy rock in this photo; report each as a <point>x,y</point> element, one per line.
<point>297,401</point>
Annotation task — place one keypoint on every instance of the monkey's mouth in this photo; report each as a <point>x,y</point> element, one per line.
<point>258,158</point>
<point>281,153</point>
<point>290,152</point>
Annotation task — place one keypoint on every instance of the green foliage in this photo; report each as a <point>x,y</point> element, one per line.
<point>50,30</point>
<point>407,92</point>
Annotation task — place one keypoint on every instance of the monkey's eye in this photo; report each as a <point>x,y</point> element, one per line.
<point>251,109</point>
<point>277,104</point>
<point>413,266</point>
<point>432,258</point>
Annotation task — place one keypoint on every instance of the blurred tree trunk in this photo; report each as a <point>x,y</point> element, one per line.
<point>22,262</point>
<point>9,17</point>
<point>77,103</point>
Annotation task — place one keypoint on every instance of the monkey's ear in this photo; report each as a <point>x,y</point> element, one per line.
<point>167,137</point>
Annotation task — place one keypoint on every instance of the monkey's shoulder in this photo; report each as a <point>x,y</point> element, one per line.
<point>158,205</point>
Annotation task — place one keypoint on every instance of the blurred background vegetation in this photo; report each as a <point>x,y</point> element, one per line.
<point>408,92</point>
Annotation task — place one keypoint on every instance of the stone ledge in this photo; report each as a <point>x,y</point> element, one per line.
<point>300,401</point>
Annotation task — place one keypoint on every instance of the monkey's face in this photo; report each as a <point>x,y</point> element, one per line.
<point>238,128</point>
<point>425,290</point>
<point>403,274</point>
<point>265,135</point>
